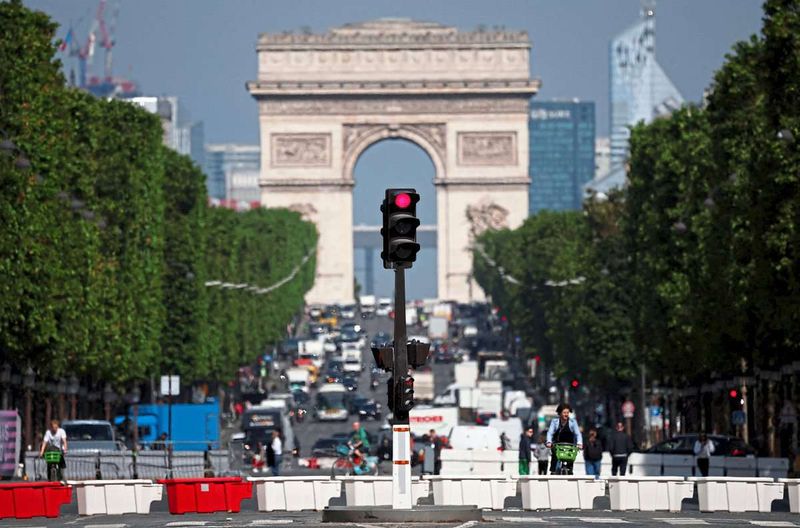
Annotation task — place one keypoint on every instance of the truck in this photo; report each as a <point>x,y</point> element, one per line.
<point>424,386</point>
<point>494,369</point>
<point>368,304</point>
<point>490,398</point>
<point>195,426</point>
<point>299,378</point>
<point>438,328</point>
<point>423,418</point>
<point>466,374</point>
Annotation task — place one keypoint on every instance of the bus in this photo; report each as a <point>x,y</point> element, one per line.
<point>331,403</point>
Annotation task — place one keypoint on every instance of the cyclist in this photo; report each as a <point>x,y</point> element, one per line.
<point>55,439</point>
<point>359,441</point>
<point>563,430</point>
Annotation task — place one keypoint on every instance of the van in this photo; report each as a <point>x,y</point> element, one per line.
<point>259,422</point>
<point>90,435</point>
<point>512,427</point>
<point>474,437</point>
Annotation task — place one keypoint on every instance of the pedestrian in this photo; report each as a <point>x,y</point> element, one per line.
<point>620,446</point>
<point>525,451</point>
<point>161,443</point>
<point>703,449</point>
<point>277,451</point>
<point>542,454</point>
<point>505,443</point>
<point>593,453</point>
<point>435,442</point>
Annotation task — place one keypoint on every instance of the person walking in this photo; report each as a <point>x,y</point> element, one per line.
<point>525,451</point>
<point>542,454</point>
<point>620,446</point>
<point>277,452</point>
<point>435,442</point>
<point>563,430</point>
<point>703,449</point>
<point>593,453</point>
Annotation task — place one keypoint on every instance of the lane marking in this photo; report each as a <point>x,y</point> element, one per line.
<point>266,522</point>
<point>523,519</point>
<point>187,523</point>
<point>106,525</point>
<point>773,523</point>
<point>686,520</point>
<point>467,524</point>
<point>603,520</point>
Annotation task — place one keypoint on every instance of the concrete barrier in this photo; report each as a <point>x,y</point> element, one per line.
<point>560,492</point>
<point>295,493</point>
<point>677,465</point>
<point>648,493</point>
<point>456,462</point>
<point>772,467</point>
<point>483,491</point>
<point>645,464</point>
<point>377,491</point>
<point>739,466</point>
<point>793,490</point>
<point>737,494</point>
<point>116,497</point>
<point>486,461</point>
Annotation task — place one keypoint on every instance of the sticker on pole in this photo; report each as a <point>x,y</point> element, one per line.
<point>170,385</point>
<point>628,408</point>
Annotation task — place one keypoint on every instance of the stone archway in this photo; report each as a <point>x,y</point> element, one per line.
<point>460,96</point>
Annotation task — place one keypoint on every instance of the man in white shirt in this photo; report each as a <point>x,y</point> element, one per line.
<point>703,449</point>
<point>55,439</point>
<point>277,450</point>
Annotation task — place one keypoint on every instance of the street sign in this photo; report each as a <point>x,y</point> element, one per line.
<point>170,385</point>
<point>628,408</point>
<point>738,418</point>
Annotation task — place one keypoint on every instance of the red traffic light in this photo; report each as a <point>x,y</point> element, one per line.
<point>575,384</point>
<point>733,393</point>
<point>402,200</point>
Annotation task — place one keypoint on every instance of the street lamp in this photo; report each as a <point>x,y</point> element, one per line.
<point>72,389</point>
<point>28,380</point>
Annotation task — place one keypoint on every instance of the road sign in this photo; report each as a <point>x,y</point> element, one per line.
<point>628,408</point>
<point>170,385</point>
<point>738,418</point>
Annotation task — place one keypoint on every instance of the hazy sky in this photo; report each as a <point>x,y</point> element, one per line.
<point>204,51</point>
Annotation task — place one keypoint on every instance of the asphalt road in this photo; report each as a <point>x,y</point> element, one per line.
<point>505,519</point>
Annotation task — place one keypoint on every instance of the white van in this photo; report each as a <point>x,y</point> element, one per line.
<point>512,427</point>
<point>474,437</point>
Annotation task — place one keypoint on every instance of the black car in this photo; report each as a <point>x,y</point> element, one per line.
<point>369,409</point>
<point>684,445</point>
<point>350,383</point>
<point>380,338</point>
<point>327,447</point>
<point>355,402</point>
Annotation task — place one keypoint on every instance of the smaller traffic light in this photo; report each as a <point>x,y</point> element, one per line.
<point>733,393</point>
<point>399,231</point>
<point>575,384</point>
<point>404,399</point>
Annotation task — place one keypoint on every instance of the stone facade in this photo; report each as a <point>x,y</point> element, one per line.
<point>461,96</point>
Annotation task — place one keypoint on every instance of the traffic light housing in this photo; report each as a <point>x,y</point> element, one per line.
<point>417,353</point>
<point>399,231</point>
<point>404,397</point>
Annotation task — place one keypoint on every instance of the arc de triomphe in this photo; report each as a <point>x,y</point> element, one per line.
<point>461,96</point>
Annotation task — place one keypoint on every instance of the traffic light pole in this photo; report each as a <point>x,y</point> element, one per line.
<point>401,429</point>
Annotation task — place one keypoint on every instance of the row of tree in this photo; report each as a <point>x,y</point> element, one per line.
<point>693,269</point>
<point>107,240</point>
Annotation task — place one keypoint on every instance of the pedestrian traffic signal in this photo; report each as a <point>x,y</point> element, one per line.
<point>399,229</point>
<point>575,384</point>
<point>404,398</point>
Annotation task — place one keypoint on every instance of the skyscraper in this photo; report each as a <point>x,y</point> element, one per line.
<point>229,168</point>
<point>640,90</point>
<point>561,135</point>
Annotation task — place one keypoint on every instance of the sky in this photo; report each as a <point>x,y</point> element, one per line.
<point>203,51</point>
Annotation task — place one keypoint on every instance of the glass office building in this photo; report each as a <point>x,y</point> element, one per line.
<point>223,162</point>
<point>562,143</point>
<point>640,90</point>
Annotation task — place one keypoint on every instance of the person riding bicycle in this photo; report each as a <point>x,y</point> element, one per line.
<point>563,430</point>
<point>55,439</point>
<point>359,441</point>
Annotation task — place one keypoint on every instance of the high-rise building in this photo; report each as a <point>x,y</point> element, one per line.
<point>640,90</point>
<point>602,156</point>
<point>180,133</point>
<point>229,171</point>
<point>562,135</point>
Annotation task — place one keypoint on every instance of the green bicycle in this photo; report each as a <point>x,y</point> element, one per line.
<point>565,457</point>
<point>53,460</point>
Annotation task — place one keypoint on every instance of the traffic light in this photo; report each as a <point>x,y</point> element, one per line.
<point>404,398</point>
<point>399,229</point>
<point>417,353</point>
<point>575,384</point>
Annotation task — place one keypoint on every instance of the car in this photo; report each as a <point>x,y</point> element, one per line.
<point>352,327</point>
<point>724,445</point>
<point>326,447</point>
<point>380,339</point>
<point>354,402</point>
<point>90,435</point>
<point>333,376</point>
<point>350,383</point>
<point>348,337</point>
<point>348,311</point>
<point>444,354</point>
<point>369,409</point>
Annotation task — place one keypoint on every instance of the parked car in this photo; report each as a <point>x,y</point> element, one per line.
<point>326,447</point>
<point>724,445</point>
<point>90,435</point>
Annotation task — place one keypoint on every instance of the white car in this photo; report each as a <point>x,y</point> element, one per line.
<point>352,365</point>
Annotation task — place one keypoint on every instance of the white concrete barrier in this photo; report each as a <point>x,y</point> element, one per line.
<point>793,490</point>
<point>645,464</point>
<point>739,466</point>
<point>677,465</point>
<point>115,497</point>
<point>510,466</point>
<point>483,491</point>
<point>560,492</point>
<point>737,494</point>
<point>377,491</point>
<point>773,467</point>
<point>295,493</point>
<point>486,461</point>
<point>456,462</point>
<point>648,493</point>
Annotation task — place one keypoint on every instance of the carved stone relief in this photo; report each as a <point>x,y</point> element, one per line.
<point>487,148</point>
<point>300,150</point>
<point>427,105</point>
<point>486,215</point>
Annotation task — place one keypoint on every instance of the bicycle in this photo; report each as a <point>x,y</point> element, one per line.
<point>565,457</point>
<point>349,463</point>
<point>53,461</point>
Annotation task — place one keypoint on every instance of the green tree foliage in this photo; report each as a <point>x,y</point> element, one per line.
<point>108,242</point>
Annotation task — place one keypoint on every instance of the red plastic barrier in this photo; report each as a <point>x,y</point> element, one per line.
<point>23,500</point>
<point>206,495</point>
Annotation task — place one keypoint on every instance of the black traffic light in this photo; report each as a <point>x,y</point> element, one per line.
<point>404,397</point>
<point>390,394</point>
<point>384,357</point>
<point>417,353</point>
<point>399,229</point>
